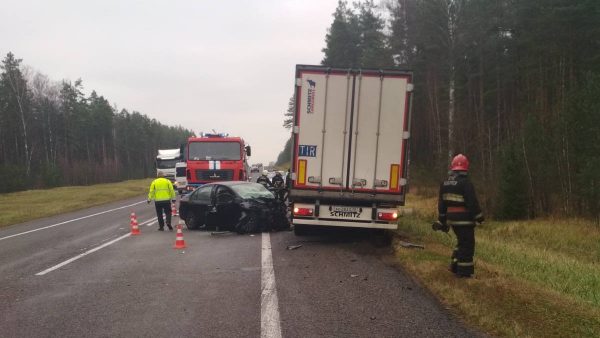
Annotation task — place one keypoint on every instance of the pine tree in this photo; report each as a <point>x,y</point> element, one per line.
<point>343,39</point>
<point>374,52</point>
<point>513,195</point>
<point>288,117</point>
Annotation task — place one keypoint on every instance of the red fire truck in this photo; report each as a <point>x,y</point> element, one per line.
<point>216,157</point>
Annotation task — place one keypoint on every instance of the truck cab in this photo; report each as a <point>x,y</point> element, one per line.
<point>180,177</point>
<point>166,161</point>
<point>216,157</point>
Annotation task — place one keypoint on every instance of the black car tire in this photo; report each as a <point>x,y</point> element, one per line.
<point>192,222</point>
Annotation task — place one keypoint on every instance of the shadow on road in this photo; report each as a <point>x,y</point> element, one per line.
<point>376,237</point>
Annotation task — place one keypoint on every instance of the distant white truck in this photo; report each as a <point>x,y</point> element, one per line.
<point>166,161</point>
<point>350,147</point>
<point>180,177</point>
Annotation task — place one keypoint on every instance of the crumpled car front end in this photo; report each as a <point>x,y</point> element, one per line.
<point>263,214</point>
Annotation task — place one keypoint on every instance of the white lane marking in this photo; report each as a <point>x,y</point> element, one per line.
<point>69,221</point>
<point>270,326</point>
<point>60,265</point>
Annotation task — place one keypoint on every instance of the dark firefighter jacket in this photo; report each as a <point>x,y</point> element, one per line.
<point>457,202</point>
<point>277,181</point>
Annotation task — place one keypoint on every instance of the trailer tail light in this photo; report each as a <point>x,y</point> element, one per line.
<point>387,216</point>
<point>394,175</point>
<point>303,211</point>
<point>301,172</point>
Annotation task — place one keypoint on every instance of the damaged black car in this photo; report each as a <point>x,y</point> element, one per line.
<point>243,207</point>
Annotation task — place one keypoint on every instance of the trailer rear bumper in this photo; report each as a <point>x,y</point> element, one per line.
<point>335,223</point>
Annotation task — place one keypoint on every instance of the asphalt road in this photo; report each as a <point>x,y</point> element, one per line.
<point>81,275</point>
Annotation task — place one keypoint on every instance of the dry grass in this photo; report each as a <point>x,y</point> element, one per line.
<point>536,278</point>
<point>32,204</point>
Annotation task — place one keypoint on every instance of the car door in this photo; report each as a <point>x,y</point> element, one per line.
<point>227,207</point>
<point>200,203</point>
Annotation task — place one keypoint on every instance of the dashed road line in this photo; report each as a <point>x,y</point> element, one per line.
<point>69,221</point>
<point>70,260</point>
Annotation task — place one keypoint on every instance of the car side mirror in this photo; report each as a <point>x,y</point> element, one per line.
<point>248,151</point>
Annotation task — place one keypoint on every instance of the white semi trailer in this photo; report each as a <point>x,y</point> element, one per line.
<point>350,147</point>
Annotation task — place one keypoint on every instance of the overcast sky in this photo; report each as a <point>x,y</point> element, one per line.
<point>223,65</point>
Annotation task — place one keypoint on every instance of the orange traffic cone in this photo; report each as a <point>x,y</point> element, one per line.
<point>179,242</point>
<point>173,209</point>
<point>135,230</point>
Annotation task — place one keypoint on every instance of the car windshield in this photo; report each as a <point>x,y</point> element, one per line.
<point>254,190</point>
<point>214,151</point>
<point>166,164</point>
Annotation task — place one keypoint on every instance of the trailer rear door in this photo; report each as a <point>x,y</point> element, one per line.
<point>351,130</point>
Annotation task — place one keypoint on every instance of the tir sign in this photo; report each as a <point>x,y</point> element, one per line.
<point>307,151</point>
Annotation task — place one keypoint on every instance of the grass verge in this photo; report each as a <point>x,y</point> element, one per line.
<point>32,204</point>
<point>538,278</point>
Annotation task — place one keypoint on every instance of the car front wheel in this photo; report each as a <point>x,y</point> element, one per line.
<point>192,222</point>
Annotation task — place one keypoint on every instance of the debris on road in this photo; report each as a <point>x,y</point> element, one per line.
<point>353,276</point>
<point>294,247</point>
<point>410,245</point>
<point>219,233</point>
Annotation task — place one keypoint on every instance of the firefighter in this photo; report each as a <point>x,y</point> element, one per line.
<point>277,180</point>
<point>264,179</point>
<point>162,192</point>
<point>459,209</point>
<point>279,185</point>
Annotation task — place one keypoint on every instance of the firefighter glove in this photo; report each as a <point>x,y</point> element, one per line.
<point>439,226</point>
<point>479,219</point>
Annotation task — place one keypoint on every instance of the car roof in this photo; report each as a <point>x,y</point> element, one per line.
<point>231,183</point>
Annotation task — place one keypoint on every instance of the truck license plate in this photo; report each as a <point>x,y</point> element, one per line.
<point>345,212</point>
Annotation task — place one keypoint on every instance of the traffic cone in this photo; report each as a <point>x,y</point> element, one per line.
<point>179,242</point>
<point>173,209</point>
<point>135,230</point>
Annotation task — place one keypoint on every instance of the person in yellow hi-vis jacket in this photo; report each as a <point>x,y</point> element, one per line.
<point>162,192</point>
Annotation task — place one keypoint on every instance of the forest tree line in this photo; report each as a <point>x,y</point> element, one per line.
<point>512,84</point>
<point>52,134</point>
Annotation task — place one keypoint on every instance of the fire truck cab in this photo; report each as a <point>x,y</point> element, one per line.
<point>216,157</point>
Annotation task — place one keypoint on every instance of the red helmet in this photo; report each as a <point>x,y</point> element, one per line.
<point>460,162</point>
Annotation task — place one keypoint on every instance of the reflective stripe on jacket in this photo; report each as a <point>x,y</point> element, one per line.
<point>161,189</point>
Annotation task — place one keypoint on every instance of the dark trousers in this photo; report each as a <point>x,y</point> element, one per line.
<point>462,257</point>
<point>160,207</point>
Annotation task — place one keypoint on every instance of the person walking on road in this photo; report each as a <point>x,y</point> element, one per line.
<point>162,192</point>
<point>459,209</point>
